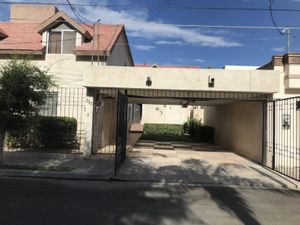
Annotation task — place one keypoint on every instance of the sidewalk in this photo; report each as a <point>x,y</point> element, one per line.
<point>177,166</point>
<point>67,166</point>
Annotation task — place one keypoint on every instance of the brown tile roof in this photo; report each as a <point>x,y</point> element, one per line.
<point>2,34</point>
<point>20,36</point>
<point>60,15</point>
<point>104,42</point>
<point>25,36</point>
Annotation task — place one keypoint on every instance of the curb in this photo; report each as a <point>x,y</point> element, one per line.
<point>10,173</point>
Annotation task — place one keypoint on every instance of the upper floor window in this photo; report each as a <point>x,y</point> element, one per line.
<point>61,41</point>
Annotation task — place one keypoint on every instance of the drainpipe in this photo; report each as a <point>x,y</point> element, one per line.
<point>93,43</point>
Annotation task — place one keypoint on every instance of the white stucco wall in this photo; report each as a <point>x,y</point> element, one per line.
<point>238,127</point>
<point>169,114</point>
<point>120,55</point>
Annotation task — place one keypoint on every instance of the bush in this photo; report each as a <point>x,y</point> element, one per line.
<point>57,132</point>
<point>24,136</point>
<point>45,132</point>
<point>205,134</point>
<point>190,126</point>
<point>196,129</point>
<point>163,129</point>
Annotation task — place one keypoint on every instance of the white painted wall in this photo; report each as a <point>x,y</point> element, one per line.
<point>238,127</point>
<point>170,114</point>
<point>120,54</point>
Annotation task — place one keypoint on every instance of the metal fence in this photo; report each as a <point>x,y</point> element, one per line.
<point>282,137</point>
<point>58,125</point>
<point>121,130</point>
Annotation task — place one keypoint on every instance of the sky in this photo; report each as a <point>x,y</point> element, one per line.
<point>155,37</point>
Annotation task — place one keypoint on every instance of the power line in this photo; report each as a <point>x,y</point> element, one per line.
<point>72,39</point>
<point>77,14</point>
<point>272,17</point>
<point>155,6</point>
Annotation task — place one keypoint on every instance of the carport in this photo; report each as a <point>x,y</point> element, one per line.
<point>234,96</point>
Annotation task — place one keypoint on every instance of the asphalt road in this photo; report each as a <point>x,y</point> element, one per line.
<point>43,202</point>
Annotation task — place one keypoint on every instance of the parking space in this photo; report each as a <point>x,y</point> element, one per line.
<point>178,162</point>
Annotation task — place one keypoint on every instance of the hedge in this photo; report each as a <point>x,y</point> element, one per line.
<point>57,132</point>
<point>197,130</point>
<point>45,132</point>
<point>163,129</point>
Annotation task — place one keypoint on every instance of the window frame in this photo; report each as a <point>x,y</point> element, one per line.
<point>61,41</point>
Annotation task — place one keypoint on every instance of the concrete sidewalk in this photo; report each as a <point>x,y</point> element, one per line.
<point>67,166</point>
<point>194,163</point>
<point>199,165</point>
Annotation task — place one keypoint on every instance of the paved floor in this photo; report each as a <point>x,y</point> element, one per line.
<point>196,163</point>
<point>165,162</point>
<point>48,202</point>
<point>101,164</point>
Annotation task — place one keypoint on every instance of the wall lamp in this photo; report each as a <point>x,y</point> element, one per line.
<point>149,82</point>
<point>211,81</point>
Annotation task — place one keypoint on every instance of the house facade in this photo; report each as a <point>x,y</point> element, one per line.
<point>56,42</point>
<point>92,64</point>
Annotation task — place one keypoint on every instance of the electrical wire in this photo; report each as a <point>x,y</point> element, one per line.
<point>272,17</point>
<point>78,16</point>
<point>153,6</point>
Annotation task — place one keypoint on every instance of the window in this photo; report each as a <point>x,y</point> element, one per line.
<point>50,106</point>
<point>61,42</point>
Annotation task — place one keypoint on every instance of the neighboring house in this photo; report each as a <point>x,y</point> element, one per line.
<point>236,67</point>
<point>170,114</point>
<point>54,41</point>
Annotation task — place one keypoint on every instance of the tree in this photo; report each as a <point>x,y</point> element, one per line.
<point>23,88</point>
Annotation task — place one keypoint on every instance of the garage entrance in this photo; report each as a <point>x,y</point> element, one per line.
<point>194,163</point>
<point>108,137</point>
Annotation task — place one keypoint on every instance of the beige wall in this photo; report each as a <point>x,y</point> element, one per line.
<point>169,114</point>
<point>260,81</point>
<point>31,13</point>
<point>238,127</point>
<point>107,123</point>
<point>120,54</point>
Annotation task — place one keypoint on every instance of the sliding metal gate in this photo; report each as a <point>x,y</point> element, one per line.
<point>282,137</point>
<point>121,130</point>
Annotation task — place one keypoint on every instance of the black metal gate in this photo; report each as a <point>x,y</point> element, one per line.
<point>121,130</point>
<point>282,136</point>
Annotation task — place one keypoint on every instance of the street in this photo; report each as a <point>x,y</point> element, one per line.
<point>41,201</point>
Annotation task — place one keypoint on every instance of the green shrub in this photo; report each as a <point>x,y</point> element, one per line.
<point>205,134</point>
<point>45,132</point>
<point>25,136</point>
<point>190,126</point>
<point>57,132</point>
<point>163,129</point>
<point>197,130</point>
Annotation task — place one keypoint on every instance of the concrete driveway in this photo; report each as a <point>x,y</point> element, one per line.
<point>197,164</point>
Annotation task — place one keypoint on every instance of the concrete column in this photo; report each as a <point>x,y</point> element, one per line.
<point>88,137</point>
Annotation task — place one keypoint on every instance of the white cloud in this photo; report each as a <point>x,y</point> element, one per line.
<point>137,25</point>
<point>143,47</point>
<point>168,42</point>
<point>199,60</point>
<point>279,49</point>
<point>180,60</point>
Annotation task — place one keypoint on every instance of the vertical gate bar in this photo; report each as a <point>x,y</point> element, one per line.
<point>274,139</point>
<point>263,134</point>
<point>117,128</point>
<point>125,122</point>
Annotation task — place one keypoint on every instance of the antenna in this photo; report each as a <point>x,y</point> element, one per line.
<point>287,31</point>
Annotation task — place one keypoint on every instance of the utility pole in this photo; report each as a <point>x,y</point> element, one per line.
<point>287,31</point>
<point>289,39</point>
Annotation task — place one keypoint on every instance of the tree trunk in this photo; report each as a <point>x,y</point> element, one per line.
<point>2,136</point>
